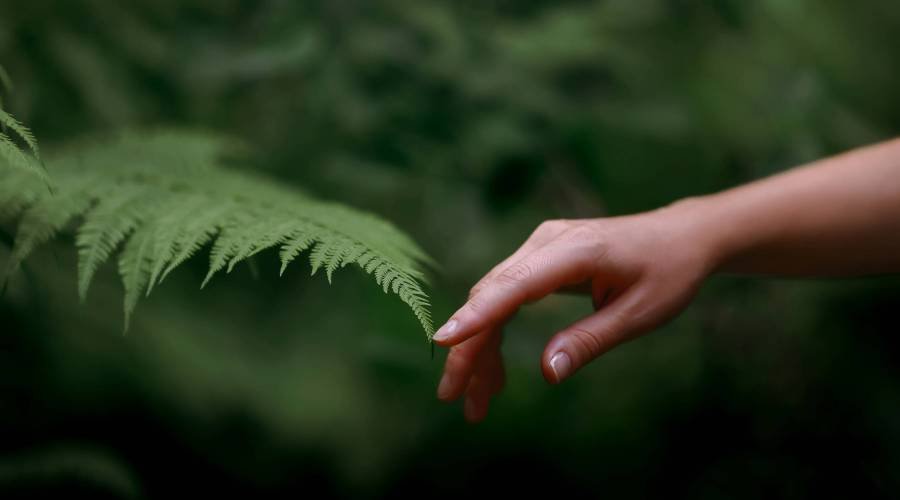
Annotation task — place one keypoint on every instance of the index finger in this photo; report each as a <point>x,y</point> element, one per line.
<point>557,264</point>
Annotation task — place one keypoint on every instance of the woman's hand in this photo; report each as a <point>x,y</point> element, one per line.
<point>835,217</point>
<point>640,270</point>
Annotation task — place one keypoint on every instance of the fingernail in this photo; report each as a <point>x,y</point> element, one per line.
<point>444,387</point>
<point>561,365</point>
<point>446,331</point>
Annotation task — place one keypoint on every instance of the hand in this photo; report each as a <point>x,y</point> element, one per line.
<point>834,217</point>
<point>640,270</point>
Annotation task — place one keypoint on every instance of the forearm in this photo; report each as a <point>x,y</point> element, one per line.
<point>835,217</point>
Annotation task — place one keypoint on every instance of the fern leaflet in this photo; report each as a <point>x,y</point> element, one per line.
<point>157,198</point>
<point>10,152</point>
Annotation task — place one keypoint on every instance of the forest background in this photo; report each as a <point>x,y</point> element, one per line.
<point>466,124</point>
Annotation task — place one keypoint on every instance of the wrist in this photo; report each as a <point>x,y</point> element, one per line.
<point>699,222</point>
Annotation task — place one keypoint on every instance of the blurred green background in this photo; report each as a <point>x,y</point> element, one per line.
<point>467,123</point>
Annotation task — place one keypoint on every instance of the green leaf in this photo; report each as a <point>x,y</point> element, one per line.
<point>157,198</point>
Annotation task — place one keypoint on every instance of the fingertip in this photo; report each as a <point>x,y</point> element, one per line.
<point>478,398</point>
<point>452,386</point>
<point>560,366</point>
<point>444,341</point>
<point>455,332</point>
<point>556,363</point>
<point>445,333</point>
<point>548,374</point>
<point>445,388</point>
<point>474,409</point>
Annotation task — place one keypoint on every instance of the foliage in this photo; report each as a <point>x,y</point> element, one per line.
<point>164,195</point>
<point>10,152</point>
<point>465,123</point>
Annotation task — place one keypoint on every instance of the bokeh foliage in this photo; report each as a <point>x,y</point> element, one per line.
<point>466,123</point>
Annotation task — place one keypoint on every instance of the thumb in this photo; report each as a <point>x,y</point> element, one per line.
<point>590,337</point>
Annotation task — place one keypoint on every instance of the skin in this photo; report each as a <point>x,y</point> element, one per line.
<point>834,217</point>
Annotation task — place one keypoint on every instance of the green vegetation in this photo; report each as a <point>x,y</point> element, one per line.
<point>163,196</point>
<point>10,152</point>
<point>466,124</point>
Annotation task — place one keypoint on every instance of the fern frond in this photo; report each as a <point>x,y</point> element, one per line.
<point>200,229</point>
<point>10,152</point>
<point>16,193</point>
<point>176,241</point>
<point>134,266</point>
<point>8,122</point>
<point>5,81</point>
<point>158,198</point>
<point>40,222</point>
<point>293,246</point>
<point>106,226</point>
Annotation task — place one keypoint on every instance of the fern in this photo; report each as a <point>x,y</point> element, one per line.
<point>157,198</point>
<point>28,160</point>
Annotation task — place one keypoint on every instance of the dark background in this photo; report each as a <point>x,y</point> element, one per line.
<point>466,123</point>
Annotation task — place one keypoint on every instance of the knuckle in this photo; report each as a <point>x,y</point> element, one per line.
<point>640,313</point>
<point>636,312</point>
<point>516,274</point>
<point>476,304</point>
<point>544,227</point>
<point>587,343</point>
<point>476,290</point>
<point>549,226</point>
<point>581,233</point>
